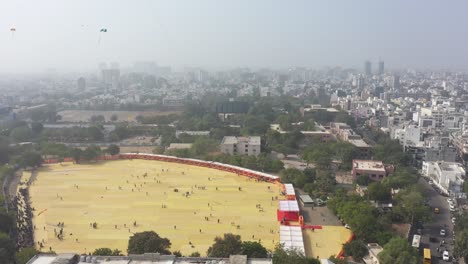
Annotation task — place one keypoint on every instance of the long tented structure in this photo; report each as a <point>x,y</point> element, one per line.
<point>291,238</point>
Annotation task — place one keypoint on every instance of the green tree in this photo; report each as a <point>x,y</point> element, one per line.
<point>356,248</point>
<point>203,145</point>
<point>363,180</point>
<point>102,252</point>
<point>286,256</point>
<point>113,149</point>
<point>97,119</point>
<point>461,245</point>
<point>222,247</point>
<point>95,133</point>
<point>195,254</point>
<point>7,249</point>
<point>76,154</point>
<point>25,254</point>
<point>378,192</point>
<point>254,250</point>
<point>398,251</point>
<point>22,133</point>
<point>284,122</point>
<point>114,117</point>
<point>148,242</point>
<point>6,221</point>
<point>410,204</point>
<point>30,159</point>
<point>36,128</point>
<point>91,153</point>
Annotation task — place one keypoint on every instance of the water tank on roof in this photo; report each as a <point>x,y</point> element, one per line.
<point>82,258</point>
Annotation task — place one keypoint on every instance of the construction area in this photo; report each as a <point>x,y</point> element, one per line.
<point>102,204</point>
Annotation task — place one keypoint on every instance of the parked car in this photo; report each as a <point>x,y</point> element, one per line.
<point>450,200</point>
<point>431,182</point>
<point>436,210</point>
<point>445,256</point>
<point>453,220</point>
<point>347,226</point>
<point>442,232</point>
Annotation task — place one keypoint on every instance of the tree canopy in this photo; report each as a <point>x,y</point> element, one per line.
<point>398,251</point>
<point>148,242</point>
<point>222,247</point>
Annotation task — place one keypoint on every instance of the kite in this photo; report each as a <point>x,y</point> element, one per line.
<point>103,30</point>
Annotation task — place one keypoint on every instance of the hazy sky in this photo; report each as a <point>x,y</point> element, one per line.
<point>218,33</point>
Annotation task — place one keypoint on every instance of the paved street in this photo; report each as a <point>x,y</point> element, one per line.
<point>439,221</point>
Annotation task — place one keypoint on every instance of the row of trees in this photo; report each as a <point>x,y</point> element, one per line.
<point>461,238</point>
<point>262,162</point>
<point>222,247</point>
<point>322,154</point>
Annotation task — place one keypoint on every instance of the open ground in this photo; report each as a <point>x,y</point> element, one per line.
<point>130,116</point>
<point>116,194</point>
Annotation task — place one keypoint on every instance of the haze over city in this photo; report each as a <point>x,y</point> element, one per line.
<point>64,35</point>
<point>233,132</point>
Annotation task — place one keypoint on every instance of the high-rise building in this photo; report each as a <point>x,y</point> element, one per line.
<point>81,84</point>
<point>368,68</point>
<point>396,82</point>
<point>111,76</point>
<point>360,82</point>
<point>381,67</point>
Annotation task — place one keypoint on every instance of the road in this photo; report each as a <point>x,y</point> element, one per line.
<point>441,220</point>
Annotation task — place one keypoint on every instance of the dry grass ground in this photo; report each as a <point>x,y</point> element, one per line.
<point>325,242</point>
<point>115,194</point>
<point>85,115</point>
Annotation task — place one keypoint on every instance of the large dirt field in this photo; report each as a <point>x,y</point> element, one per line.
<point>85,116</point>
<point>115,194</point>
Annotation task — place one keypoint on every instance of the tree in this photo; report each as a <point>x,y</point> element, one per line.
<point>6,221</point>
<point>102,252</point>
<point>95,133</point>
<point>378,192</point>
<point>203,145</point>
<point>286,256</point>
<point>113,149</point>
<point>22,133</point>
<point>292,175</point>
<point>363,180</point>
<point>36,128</point>
<point>254,250</point>
<point>195,254</point>
<point>148,242</point>
<point>7,249</point>
<point>30,159</point>
<point>461,245</point>
<point>97,119</point>
<point>398,251</point>
<point>114,117</point>
<point>356,248</point>
<point>411,205</point>
<point>91,153</point>
<point>25,254</point>
<point>222,247</point>
<point>76,154</point>
<point>284,122</point>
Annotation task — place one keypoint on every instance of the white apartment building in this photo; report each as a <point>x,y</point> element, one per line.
<point>241,145</point>
<point>448,176</point>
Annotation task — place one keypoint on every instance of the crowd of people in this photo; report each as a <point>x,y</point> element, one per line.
<point>25,230</point>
